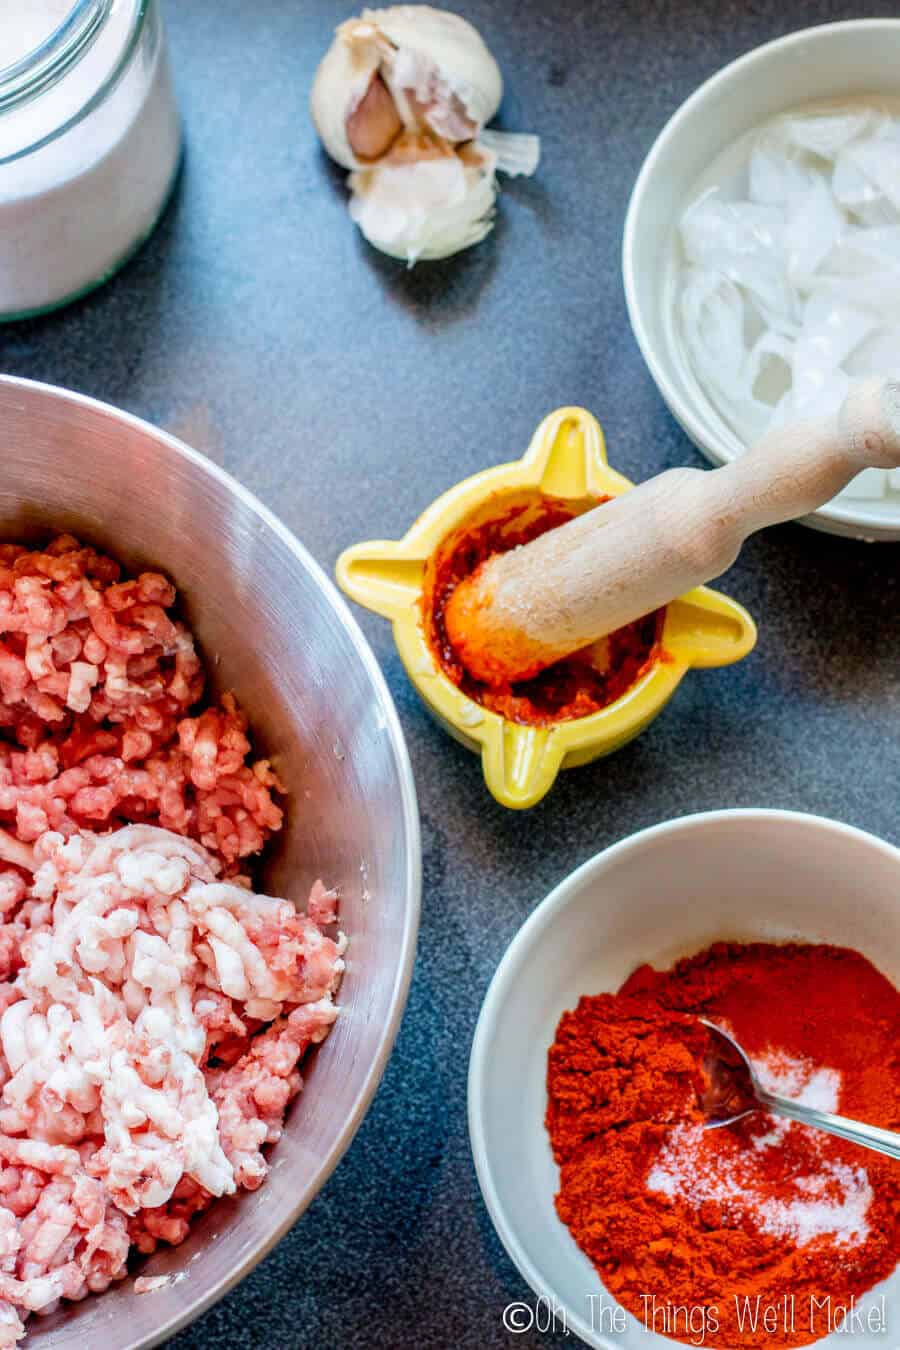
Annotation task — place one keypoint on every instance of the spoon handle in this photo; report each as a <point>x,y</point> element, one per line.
<point>870,1136</point>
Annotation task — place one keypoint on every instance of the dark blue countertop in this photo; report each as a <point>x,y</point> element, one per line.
<point>348,393</point>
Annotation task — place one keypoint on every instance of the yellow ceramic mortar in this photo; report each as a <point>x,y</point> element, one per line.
<point>566,459</point>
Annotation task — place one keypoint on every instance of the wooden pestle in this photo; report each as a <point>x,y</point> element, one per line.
<point>523,610</point>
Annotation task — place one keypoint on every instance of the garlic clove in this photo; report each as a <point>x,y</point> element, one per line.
<point>416,206</point>
<point>374,124</point>
<point>342,81</point>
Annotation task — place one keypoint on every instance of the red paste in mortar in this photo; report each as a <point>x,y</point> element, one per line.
<point>575,687</point>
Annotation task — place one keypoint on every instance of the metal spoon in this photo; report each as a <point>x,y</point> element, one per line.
<point>734,1090</point>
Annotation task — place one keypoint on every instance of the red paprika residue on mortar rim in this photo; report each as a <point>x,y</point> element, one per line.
<point>576,687</point>
<point>756,1234</point>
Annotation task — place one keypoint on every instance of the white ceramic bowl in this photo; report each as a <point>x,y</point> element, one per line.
<point>659,895</point>
<point>839,60</point>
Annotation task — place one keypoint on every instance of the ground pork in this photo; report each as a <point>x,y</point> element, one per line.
<point>120,1115</point>
<point>97,679</point>
<point>154,1010</point>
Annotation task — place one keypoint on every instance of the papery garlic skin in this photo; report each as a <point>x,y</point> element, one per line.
<point>516,153</point>
<point>441,55</point>
<point>401,99</point>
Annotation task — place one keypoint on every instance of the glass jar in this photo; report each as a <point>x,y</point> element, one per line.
<point>90,143</point>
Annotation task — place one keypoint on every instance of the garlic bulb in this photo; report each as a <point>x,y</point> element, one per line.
<point>401,99</point>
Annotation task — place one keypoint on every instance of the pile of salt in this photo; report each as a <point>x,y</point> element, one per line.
<point>829,1202</point>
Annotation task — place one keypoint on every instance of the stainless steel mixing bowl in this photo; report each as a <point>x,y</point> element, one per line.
<point>274,630</point>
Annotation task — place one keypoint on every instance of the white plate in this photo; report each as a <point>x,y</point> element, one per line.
<point>659,895</point>
<point>848,60</point>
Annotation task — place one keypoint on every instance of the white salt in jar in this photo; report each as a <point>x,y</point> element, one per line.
<point>89,144</point>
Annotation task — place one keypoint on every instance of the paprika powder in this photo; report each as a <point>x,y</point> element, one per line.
<point>764,1232</point>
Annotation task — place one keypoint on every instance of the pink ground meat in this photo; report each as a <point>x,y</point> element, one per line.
<point>97,679</point>
<point>153,1009</point>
